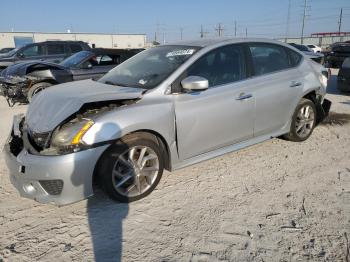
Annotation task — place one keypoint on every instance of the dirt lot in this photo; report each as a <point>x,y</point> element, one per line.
<point>276,201</point>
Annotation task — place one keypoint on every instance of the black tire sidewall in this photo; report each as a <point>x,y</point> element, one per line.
<point>111,155</point>
<point>293,134</point>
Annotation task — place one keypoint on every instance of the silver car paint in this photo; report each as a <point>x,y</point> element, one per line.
<point>53,105</point>
<point>208,123</point>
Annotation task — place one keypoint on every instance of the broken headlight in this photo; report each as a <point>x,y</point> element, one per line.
<point>67,138</point>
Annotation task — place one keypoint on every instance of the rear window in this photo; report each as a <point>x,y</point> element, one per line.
<point>268,58</point>
<point>294,57</point>
<point>74,48</point>
<point>55,49</point>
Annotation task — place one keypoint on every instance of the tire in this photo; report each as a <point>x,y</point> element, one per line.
<point>36,88</point>
<point>301,126</point>
<point>112,170</point>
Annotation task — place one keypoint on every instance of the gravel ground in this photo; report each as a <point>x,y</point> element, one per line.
<point>276,201</point>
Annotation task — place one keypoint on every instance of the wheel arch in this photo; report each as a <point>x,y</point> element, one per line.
<point>160,140</point>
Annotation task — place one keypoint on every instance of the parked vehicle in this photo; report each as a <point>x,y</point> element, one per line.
<point>317,57</point>
<point>315,48</point>
<point>337,54</point>
<point>6,50</point>
<point>165,108</point>
<point>343,78</point>
<point>21,81</point>
<point>51,51</point>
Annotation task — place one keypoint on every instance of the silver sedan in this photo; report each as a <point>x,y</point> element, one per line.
<point>166,108</point>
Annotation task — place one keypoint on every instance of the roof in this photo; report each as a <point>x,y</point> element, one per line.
<point>204,42</point>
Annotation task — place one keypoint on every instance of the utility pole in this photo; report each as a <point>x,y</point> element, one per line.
<point>202,32</point>
<point>340,20</point>
<point>303,24</point>
<point>220,29</point>
<point>246,32</point>
<point>235,28</point>
<point>288,21</point>
<point>181,32</point>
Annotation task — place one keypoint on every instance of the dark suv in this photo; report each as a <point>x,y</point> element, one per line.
<point>338,53</point>
<point>51,51</point>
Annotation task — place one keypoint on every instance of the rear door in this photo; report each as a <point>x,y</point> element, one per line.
<point>55,52</point>
<point>278,86</point>
<point>223,114</point>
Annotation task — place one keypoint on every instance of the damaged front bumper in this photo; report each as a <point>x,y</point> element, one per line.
<point>59,180</point>
<point>15,90</point>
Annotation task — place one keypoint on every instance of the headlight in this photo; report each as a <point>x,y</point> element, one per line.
<point>67,138</point>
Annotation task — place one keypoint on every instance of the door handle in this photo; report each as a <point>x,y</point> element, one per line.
<point>295,84</point>
<point>243,96</point>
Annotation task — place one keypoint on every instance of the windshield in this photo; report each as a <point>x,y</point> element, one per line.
<point>12,52</point>
<point>75,59</point>
<point>149,68</point>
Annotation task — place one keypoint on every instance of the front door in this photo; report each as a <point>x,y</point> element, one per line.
<point>223,114</point>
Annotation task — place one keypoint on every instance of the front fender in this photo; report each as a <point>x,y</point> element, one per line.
<point>155,115</point>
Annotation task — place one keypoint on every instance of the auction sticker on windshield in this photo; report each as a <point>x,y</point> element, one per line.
<point>180,52</point>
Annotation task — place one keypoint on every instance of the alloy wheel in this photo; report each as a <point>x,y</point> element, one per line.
<point>305,121</point>
<point>135,171</point>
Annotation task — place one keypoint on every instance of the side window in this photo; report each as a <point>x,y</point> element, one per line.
<point>55,49</point>
<point>295,58</point>
<point>105,60</point>
<point>268,58</point>
<point>220,66</point>
<point>35,50</point>
<point>74,48</point>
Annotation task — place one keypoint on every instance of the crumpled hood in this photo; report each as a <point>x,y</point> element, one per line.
<point>20,69</point>
<point>52,106</point>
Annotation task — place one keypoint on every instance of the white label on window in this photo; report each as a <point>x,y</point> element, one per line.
<point>142,82</point>
<point>180,52</point>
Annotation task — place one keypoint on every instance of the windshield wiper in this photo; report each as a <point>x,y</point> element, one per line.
<point>114,84</point>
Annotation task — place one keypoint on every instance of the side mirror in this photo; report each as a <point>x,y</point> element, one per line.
<point>195,83</point>
<point>20,55</point>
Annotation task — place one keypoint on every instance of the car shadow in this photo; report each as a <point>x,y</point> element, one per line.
<point>332,86</point>
<point>105,218</point>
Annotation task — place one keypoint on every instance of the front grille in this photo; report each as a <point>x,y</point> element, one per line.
<point>52,187</point>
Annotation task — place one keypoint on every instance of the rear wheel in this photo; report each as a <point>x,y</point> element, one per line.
<point>132,168</point>
<point>36,88</point>
<point>303,121</point>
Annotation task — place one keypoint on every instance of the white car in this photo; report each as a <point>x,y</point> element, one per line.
<point>315,48</point>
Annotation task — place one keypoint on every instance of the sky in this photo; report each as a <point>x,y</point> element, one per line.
<point>167,19</point>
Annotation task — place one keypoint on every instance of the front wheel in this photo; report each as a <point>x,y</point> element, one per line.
<point>130,169</point>
<point>36,88</point>
<point>303,121</point>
